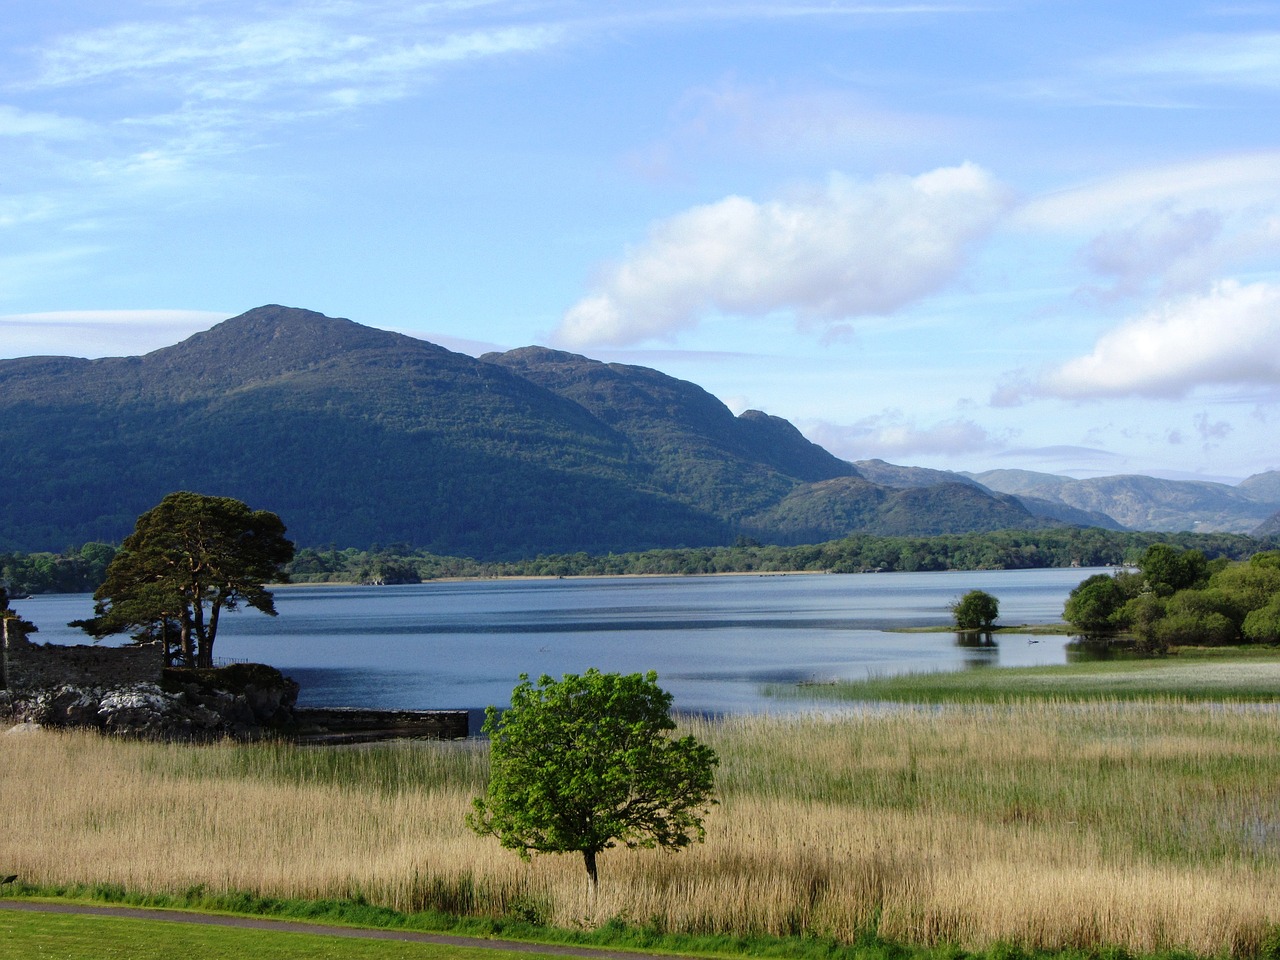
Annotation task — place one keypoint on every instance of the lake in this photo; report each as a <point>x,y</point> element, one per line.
<point>717,643</point>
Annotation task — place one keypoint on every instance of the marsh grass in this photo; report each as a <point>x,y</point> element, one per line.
<point>1203,675</point>
<point>1148,826</point>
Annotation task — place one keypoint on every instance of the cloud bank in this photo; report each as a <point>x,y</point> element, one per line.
<point>100,333</point>
<point>843,250</point>
<point>1228,336</point>
<point>893,435</point>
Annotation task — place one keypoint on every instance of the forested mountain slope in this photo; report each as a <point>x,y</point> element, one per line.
<point>357,437</point>
<point>353,435</point>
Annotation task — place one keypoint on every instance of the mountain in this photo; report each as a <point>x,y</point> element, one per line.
<point>1148,503</point>
<point>734,465</point>
<point>357,436</point>
<point>1264,487</point>
<point>353,435</point>
<point>830,509</point>
<point>893,475</point>
<point>1268,528</point>
<point>1043,509</point>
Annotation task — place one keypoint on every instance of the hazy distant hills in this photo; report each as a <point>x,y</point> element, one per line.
<point>1147,503</point>
<point>357,436</point>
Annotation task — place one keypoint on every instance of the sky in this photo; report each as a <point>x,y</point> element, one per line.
<point>1018,234</point>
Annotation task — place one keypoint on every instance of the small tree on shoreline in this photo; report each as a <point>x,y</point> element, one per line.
<point>976,610</point>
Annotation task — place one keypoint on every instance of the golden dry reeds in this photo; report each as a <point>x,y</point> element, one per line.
<point>1141,825</point>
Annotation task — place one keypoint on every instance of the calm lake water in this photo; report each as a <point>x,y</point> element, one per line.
<point>717,643</point>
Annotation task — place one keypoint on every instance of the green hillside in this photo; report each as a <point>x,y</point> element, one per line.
<point>357,436</point>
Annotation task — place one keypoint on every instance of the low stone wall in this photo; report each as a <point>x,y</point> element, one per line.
<point>36,666</point>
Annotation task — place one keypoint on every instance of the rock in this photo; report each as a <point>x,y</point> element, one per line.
<point>190,705</point>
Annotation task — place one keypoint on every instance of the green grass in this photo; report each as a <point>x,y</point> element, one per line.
<point>1200,675</point>
<point>74,937</point>
<point>69,937</point>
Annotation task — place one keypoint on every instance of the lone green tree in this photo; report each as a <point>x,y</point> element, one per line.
<point>976,610</point>
<point>188,559</point>
<point>585,763</point>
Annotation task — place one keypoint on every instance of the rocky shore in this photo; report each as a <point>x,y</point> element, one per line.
<point>242,701</point>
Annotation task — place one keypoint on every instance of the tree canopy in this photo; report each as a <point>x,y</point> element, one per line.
<point>585,762</point>
<point>976,610</point>
<point>188,559</point>
<point>1177,598</point>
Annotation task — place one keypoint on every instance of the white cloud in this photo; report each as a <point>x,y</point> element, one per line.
<point>1168,229</point>
<point>816,123</point>
<point>309,60</point>
<point>179,96</point>
<point>845,250</point>
<point>1233,182</point>
<point>99,333</point>
<point>1241,59</point>
<point>1229,336</point>
<point>891,434</point>
<point>41,126</point>
<point>1166,244</point>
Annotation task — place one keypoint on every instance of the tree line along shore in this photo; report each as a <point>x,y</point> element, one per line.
<point>82,569</point>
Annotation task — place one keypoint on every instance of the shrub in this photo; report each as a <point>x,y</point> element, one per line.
<point>976,610</point>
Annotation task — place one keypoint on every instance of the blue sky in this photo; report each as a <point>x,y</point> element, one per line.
<point>1042,235</point>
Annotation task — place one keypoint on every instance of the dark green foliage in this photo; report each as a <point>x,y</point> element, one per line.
<point>585,762</point>
<point>1263,624</point>
<point>1266,558</point>
<point>976,610</point>
<point>1167,569</point>
<point>821,511</point>
<point>188,559</point>
<point>697,449</point>
<point>1000,550</point>
<point>362,436</point>
<point>1178,598</point>
<point>74,571</point>
<point>1092,606</point>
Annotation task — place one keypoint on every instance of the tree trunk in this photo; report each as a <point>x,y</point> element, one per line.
<point>187,640</point>
<point>202,640</point>
<point>210,633</point>
<point>589,858</point>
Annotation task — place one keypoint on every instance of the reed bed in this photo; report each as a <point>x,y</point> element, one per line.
<point>1148,826</point>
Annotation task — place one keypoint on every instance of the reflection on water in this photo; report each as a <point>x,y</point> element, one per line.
<point>714,641</point>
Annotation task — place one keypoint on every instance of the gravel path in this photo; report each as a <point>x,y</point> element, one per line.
<point>289,926</point>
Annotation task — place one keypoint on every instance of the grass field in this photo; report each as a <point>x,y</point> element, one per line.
<point>1212,674</point>
<point>24,936</point>
<point>1146,825</point>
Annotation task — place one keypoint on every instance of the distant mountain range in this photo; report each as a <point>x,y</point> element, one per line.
<point>358,436</point>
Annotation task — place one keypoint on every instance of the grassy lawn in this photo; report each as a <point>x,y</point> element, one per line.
<point>1201,675</point>
<point>24,936</point>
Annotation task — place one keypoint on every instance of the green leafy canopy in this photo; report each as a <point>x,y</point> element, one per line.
<point>585,762</point>
<point>976,610</point>
<point>189,558</point>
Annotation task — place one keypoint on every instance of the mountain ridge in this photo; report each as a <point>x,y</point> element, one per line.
<point>357,436</point>
<point>1149,503</point>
